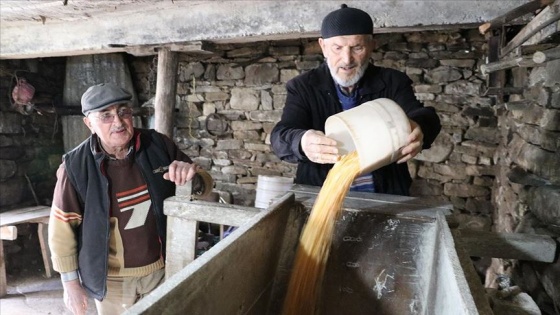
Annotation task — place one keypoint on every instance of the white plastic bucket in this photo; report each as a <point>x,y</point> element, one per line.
<point>269,188</point>
<point>376,129</point>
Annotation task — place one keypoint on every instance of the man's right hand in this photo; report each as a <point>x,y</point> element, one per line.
<point>319,148</point>
<point>75,297</point>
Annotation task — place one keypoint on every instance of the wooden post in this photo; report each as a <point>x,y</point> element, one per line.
<point>166,91</point>
<point>3,281</point>
<point>182,235</point>
<point>496,79</point>
<point>43,232</point>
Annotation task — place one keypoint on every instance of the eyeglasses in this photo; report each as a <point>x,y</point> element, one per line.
<point>109,117</point>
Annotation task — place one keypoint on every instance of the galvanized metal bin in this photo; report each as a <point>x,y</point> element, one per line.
<point>390,255</point>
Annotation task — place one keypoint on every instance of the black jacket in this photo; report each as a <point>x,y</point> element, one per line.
<point>312,98</point>
<point>84,167</point>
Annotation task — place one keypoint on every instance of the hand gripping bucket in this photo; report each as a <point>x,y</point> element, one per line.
<point>376,129</point>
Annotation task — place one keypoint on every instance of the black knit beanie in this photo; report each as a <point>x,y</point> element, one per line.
<point>346,21</point>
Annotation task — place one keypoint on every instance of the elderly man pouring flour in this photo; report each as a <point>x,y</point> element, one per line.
<point>346,80</point>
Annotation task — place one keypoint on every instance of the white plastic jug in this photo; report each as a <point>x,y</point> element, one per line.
<point>376,129</point>
<point>269,188</point>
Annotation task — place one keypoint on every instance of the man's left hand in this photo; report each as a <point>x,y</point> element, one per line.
<point>181,172</point>
<point>415,143</point>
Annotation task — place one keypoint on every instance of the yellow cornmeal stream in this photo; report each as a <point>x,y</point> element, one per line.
<point>315,242</point>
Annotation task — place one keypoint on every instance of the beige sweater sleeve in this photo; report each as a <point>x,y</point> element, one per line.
<point>65,218</point>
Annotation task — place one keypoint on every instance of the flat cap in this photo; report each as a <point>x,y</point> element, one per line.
<point>346,21</point>
<point>103,95</point>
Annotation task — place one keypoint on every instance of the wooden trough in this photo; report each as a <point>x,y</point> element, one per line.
<point>390,255</point>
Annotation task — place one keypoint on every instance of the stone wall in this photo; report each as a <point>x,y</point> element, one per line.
<point>229,104</point>
<point>527,188</point>
<point>30,152</point>
<point>30,143</point>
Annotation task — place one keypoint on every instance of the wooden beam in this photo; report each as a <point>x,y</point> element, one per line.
<point>513,14</point>
<point>543,20</point>
<point>3,280</point>
<point>33,214</point>
<point>508,90</point>
<point>531,49</point>
<point>248,21</point>
<point>507,64</point>
<point>77,110</point>
<point>507,245</point>
<point>519,105</point>
<point>8,233</point>
<point>547,55</point>
<point>181,207</point>
<point>166,91</point>
<point>196,47</point>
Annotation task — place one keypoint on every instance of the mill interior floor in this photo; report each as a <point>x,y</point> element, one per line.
<point>32,293</point>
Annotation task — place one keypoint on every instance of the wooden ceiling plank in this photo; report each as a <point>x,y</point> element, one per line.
<point>544,19</point>
<point>199,47</point>
<point>513,14</point>
<point>98,26</point>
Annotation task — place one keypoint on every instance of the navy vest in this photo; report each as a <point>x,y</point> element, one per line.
<point>84,166</point>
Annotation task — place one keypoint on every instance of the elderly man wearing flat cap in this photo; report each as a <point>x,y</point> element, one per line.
<point>107,229</point>
<point>347,79</point>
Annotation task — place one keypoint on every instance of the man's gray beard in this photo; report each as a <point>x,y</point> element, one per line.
<point>351,81</point>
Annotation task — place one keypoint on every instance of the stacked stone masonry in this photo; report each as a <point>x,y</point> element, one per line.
<point>30,142</point>
<point>527,188</point>
<point>30,153</point>
<point>229,104</point>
